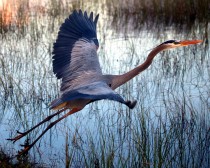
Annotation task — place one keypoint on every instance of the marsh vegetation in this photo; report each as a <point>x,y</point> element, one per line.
<point>170,126</point>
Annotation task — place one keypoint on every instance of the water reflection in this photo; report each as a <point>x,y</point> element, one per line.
<point>170,122</point>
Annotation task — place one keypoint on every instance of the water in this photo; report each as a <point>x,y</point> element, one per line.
<point>169,125</point>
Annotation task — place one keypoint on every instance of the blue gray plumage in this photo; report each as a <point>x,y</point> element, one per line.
<point>77,26</point>
<point>76,63</point>
<point>94,91</point>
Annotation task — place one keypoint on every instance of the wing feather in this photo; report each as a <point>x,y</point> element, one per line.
<point>77,31</point>
<point>84,67</point>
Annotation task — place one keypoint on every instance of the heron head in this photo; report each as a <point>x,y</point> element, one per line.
<point>174,44</point>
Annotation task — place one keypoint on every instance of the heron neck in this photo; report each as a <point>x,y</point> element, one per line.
<point>119,80</point>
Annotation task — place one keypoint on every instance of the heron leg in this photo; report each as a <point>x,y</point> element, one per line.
<point>22,134</point>
<point>28,147</point>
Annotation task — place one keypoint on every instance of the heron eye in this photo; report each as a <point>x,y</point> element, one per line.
<point>176,42</point>
<point>110,85</point>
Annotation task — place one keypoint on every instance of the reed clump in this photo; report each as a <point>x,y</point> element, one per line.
<point>161,11</point>
<point>165,12</point>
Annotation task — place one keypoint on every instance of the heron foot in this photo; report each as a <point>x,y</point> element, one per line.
<point>25,150</point>
<point>21,134</point>
<point>131,104</point>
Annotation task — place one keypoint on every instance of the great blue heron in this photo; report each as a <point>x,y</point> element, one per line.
<point>75,62</point>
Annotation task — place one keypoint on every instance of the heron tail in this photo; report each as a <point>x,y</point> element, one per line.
<point>57,104</point>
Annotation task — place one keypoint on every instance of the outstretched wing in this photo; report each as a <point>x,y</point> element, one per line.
<point>94,91</point>
<point>74,54</point>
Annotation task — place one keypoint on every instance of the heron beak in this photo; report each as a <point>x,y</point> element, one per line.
<point>189,42</point>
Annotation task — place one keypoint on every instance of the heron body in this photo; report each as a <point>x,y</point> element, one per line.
<point>76,64</point>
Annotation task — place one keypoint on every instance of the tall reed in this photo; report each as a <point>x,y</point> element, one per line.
<point>170,125</point>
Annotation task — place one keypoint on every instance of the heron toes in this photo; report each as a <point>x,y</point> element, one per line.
<point>21,134</point>
<point>25,150</point>
<point>131,104</point>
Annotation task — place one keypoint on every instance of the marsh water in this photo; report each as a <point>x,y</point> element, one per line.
<point>169,127</point>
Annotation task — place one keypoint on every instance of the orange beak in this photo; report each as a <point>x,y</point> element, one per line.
<point>189,42</point>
